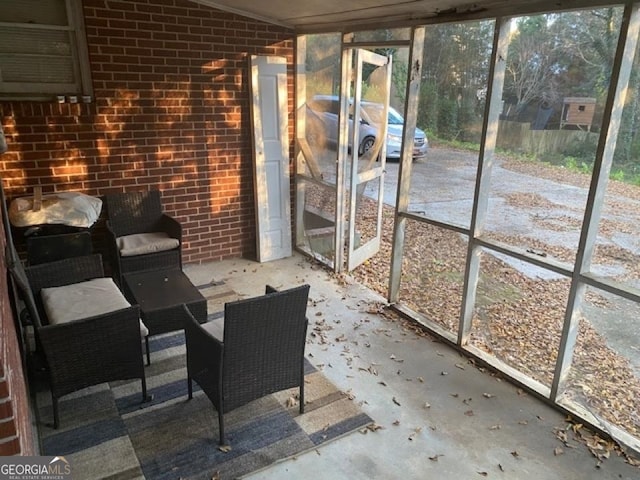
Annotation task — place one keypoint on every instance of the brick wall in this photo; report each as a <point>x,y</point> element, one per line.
<point>16,434</point>
<point>171,111</point>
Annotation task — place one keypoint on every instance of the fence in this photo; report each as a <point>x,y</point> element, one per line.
<point>519,137</point>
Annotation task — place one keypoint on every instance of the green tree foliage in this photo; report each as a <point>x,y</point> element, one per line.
<point>454,78</point>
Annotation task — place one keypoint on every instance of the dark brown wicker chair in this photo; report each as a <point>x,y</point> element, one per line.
<point>261,350</point>
<point>84,352</point>
<point>134,213</point>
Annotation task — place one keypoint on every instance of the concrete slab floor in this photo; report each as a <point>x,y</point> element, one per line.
<point>441,417</point>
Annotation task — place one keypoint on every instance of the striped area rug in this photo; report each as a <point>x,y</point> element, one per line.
<point>106,432</point>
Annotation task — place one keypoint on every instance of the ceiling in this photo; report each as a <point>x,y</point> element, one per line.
<point>312,16</point>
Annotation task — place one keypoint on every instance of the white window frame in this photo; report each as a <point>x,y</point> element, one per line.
<point>43,91</point>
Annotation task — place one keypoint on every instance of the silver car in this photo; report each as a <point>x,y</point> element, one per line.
<point>395,125</point>
<point>322,127</point>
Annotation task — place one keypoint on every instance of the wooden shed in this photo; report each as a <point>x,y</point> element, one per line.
<point>578,112</point>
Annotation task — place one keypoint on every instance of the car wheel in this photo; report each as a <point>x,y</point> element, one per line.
<point>366,145</point>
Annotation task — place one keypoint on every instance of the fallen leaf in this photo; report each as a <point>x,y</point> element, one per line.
<point>487,395</point>
<point>501,467</point>
<point>469,413</point>
<point>396,401</point>
<point>396,422</point>
<point>558,451</point>
<point>224,448</point>
<point>515,454</point>
<point>443,373</point>
<point>434,458</point>
<point>374,427</point>
<point>495,427</point>
<point>460,366</point>
<point>484,474</point>
<point>427,405</point>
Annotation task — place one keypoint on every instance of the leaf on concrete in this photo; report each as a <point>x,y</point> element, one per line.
<point>374,427</point>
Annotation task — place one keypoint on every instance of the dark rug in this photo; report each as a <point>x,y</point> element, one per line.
<point>106,432</point>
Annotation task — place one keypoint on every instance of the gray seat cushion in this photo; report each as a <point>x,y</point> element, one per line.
<point>215,328</point>
<point>143,243</point>
<point>85,299</point>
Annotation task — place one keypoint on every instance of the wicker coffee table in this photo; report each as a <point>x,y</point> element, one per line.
<point>160,295</point>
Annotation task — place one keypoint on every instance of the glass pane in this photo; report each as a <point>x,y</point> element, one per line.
<point>16,40</point>
<point>318,218</point>
<point>433,273</point>
<point>33,69</point>
<point>41,12</point>
<point>557,76</point>
<point>374,273</point>
<point>451,106</point>
<point>367,213</point>
<point>519,313</point>
<point>617,249</point>
<point>604,376</point>
<point>318,156</point>
<point>322,80</point>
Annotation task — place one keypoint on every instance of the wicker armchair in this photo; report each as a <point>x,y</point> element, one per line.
<point>83,352</point>
<point>137,218</point>
<point>255,350</point>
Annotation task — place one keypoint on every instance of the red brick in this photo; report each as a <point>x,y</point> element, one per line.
<point>170,112</point>
<point>9,447</point>
<point>7,428</point>
<point>6,409</point>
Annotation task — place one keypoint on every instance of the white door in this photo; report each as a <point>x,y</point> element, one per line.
<point>367,163</point>
<point>268,81</point>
